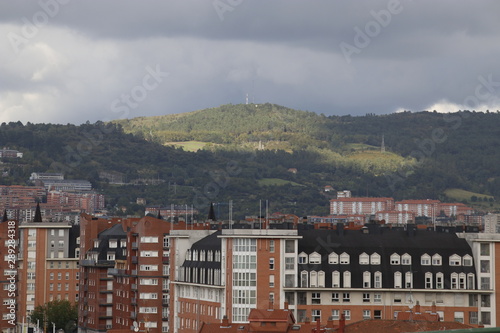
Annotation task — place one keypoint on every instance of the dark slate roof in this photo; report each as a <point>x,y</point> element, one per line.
<point>115,232</point>
<point>210,243</point>
<point>385,242</point>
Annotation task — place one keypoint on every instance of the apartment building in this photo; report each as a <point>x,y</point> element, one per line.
<point>372,273</point>
<point>360,205</point>
<point>125,273</point>
<point>8,278</point>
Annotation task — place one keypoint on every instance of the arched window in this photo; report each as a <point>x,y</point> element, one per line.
<point>408,280</point>
<point>313,281</point>
<point>188,254</point>
<point>367,276</point>
<point>377,281</point>
<point>202,255</point>
<point>347,279</point>
<point>428,280</point>
<point>304,279</point>
<point>321,279</point>
<point>454,281</point>
<point>195,255</point>
<point>439,281</point>
<point>471,284</point>
<point>336,279</point>
<point>398,280</point>
<point>461,281</point>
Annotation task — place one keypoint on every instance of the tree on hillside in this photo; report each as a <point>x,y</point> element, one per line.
<point>60,312</point>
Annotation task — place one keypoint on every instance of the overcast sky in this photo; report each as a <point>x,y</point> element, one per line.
<point>68,61</point>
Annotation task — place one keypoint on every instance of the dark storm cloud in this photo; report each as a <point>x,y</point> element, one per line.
<point>70,61</point>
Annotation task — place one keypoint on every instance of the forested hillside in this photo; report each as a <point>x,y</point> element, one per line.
<point>248,153</point>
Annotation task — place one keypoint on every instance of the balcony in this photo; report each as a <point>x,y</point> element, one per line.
<point>103,301</point>
<point>165,260</point>
<point>104,289</point>
<point>105,276</point>
<point>133,315</point>
<point>134,286</point>
<point>134,246</point>
<point>133,301</point>
<point>133,272</point>
<point>134,259</point>
<point>105,315</point>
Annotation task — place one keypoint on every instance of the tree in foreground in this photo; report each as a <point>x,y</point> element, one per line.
<point>60,312</point>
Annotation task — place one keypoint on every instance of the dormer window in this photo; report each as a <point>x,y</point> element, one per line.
<point>425,260</point>
<point>455,260</point>
<point>344,259</point>
<point>406,259</point>
<point>333,258</point>
<point>364,259</point>
<point>314,258</point>
<point>302,258</point>
<point>436,260</point>
<point>375,259</point>
<point>395,259</point>
<point>467,260</point>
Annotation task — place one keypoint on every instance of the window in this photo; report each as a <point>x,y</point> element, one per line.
<point>335,297</point>
<point>150,254</point>
<point>271,281</point>
<point>485,283</point>
<point>375,259</point>
<point>395,259</point>
<point>149,239</point>
<point>397,298</point>
<point>366,297</point>
<point>366,314</point>
<point>302,258</point>
<point>461,281</point>
<point>406,259</point>
<point>486,318</point>
<point>473,318</point>
<point>366,279</point>
<point>377,314</point>
<point>110,256</point>
<point>377,283</point>
<point>425,260</point>
<point>347,314</point>
<point>336,279</point>
<point>289,263</point>
<point>485,266</point>
<point>347,279</point>
<point>408,280</point>
<point>314,258</point>
<point>485,301</point>
<point>459,317</point>
<point>316,315</point>
<point>321,279</point>
<point>289,246</point>
<point>301,316</point>
<point>428,280</point>
<point>301,298</point>
<point>467,260</point>
<point>271,263</point>
<point>304,279</point>
<point>271,245</point>
<point>346,297</point>
<point>398,283</point>
<point>313,282</point>
<point>470,281</point>
<point>316,298</point>
<point>344,259</point>
<point>377,298</point>
<point>455,260</point>
<point>335,314</point>
<point>113,243</point>
<point>484,249</point>
<point>436,260</point>
<point>439,281</point>
<point>333,258</point>
<point>364,259</point>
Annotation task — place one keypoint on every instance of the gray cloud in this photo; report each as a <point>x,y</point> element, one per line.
<point>68,61</point>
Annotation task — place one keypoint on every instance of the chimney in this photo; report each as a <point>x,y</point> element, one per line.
<point>341,324</point>
<point>329,322</point>
<point>225,322</point>
<point>340,229</point>
<point>318,326</point>
<point>417,307</point>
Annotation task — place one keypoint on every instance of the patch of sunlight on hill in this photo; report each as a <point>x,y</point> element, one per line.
<point>193,146</point>
<point>276,182</point>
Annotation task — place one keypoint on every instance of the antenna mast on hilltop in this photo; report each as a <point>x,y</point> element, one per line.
<point>246,100</point>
